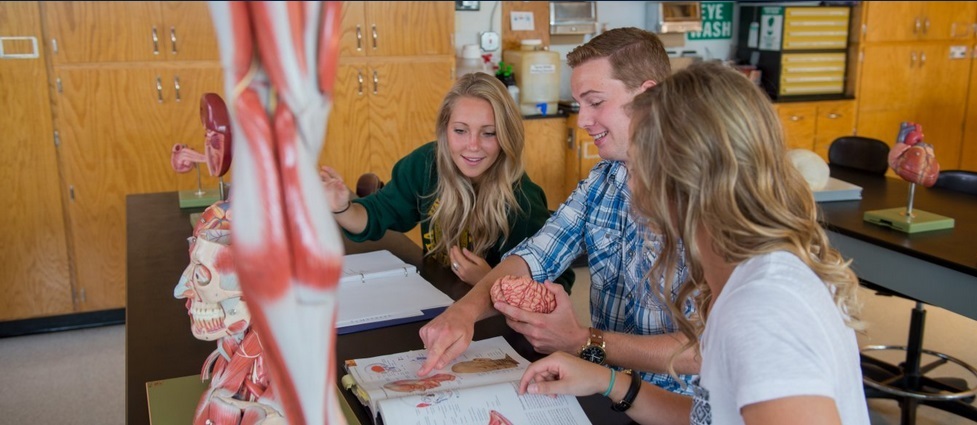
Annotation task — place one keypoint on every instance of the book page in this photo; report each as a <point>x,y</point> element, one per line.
<point>365,266</point>
<point>486,405</point>
<point>488,361</point>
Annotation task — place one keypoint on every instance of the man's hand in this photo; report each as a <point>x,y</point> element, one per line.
<point>446,337</point>
<point>548,333</point>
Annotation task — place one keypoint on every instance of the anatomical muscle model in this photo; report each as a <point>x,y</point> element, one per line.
<point>240,391</point>
<point>279,61</point>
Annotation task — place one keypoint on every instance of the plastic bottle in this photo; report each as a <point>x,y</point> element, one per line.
<point>538,77</point>
<point>514,92</point>
<point>470,60</point>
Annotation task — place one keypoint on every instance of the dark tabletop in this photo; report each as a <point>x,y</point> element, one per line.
<point>159,344</point>
<point>954,248</point>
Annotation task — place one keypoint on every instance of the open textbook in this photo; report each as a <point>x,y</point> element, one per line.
<point>480,387</point>
<point>378,289</point>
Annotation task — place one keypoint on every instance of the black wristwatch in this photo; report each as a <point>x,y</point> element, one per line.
<point>594,350</point>
<point>628,399</point>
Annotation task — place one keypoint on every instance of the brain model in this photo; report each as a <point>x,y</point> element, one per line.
<point>525,293</point>
<point>812,167</point>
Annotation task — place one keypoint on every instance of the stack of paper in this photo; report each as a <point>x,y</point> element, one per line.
<point>378,290</point>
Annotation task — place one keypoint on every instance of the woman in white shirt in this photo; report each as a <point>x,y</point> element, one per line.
<point>777,305</point>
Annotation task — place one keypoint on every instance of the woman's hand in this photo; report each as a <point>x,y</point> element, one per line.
<point>562,373</point>
<point>337,193</point>
<point>469,267</point>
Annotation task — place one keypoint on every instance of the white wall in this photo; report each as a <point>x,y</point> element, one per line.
<point>612,14</point>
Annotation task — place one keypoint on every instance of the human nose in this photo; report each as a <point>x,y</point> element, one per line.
<point>473,141</point>
<point>585,118</point>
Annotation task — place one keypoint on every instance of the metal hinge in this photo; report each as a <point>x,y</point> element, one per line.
<point>57,139</point>
<point>71,192</point>
<point>57,82</point>
<point>54,45</point>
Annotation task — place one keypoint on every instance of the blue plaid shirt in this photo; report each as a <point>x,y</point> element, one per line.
<point>597,219</point>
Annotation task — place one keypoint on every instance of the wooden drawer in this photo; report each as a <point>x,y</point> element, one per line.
<point>835,119</point>
<point>799,122</point>
<point>810,28</point>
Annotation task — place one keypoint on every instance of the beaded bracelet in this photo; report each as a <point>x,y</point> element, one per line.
<point>611,385</point>
<point>348,204</point>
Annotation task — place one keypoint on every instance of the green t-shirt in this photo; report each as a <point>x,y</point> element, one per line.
<point>407,200</point>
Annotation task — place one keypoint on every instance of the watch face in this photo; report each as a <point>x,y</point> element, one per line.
<point>593,354</point>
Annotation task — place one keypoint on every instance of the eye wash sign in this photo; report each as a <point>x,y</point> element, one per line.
<point>717,21</point>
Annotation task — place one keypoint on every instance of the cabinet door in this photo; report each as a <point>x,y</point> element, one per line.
<point>835,119</point>
<point>948,20</point>
<point>888,77</point>
<point>968,150</point>
<point>404,101</point>
<point>893,20</point>
<point>581,156</point>
<point>347,145</point>
<point>409,28</point>
<point>544,136</point>
<point>33,249</point>
<point>115,141</point>
<point>941,92</point>
<point>799,121</point>
<point>354,37</point>
<point>103,31</point>
<point>188,31</point>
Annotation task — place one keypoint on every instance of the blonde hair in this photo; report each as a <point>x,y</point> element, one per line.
<point>708,152</point>
<point>636,55</point>
<point>481,210</point>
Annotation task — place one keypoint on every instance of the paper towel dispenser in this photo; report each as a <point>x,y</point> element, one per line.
<point>673,16</point>
<point>573,17</point>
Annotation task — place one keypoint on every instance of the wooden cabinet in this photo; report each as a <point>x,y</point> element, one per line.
<point>106,31</point>
<point>396,64</point>
<point>118,108</point>
<point>814,125</point>
<point>386,28</point>
<point>544,136</point>
<point>918,20</point>
<point>116,136</point>
<point>580,155</point>
<point>33,247</point>
<point>968,148</point>
<point>916,74</point>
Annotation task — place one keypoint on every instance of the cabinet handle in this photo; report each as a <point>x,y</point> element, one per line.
<point>796,117</point>
<point>571,138</point>
<point>173,40</point>
<point>916,27</point>
<point>912,59</point>
<point>155,42</point>
<point>922,59</point>
<point>359,38</point>
<point>159,89</point>
<point>926,26</point>
<point>375,36</point>
<point>834,116</point>
<point>376,82</point>
<point>359,78</point>
<point>176,87</point>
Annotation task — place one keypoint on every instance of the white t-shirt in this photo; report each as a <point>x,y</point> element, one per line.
<point>775,332</point>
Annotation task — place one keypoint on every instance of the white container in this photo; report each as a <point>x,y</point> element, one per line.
<point>537,74</point>
<point>470,60</point>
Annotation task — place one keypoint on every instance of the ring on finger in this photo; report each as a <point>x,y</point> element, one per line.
<point>455,266</point>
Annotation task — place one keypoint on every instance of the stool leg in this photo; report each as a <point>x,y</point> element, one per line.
<point>914,348</point>
<point>908,410</point>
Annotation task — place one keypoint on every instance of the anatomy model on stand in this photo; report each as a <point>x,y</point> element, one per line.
<point>914,161</point>
<point>280,61</point>
<point>217,145</point>
<point>240,391</point>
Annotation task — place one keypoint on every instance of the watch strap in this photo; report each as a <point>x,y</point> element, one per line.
<point>629,397</point>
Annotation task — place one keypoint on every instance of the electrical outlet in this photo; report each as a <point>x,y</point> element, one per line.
<point>489,41</point>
